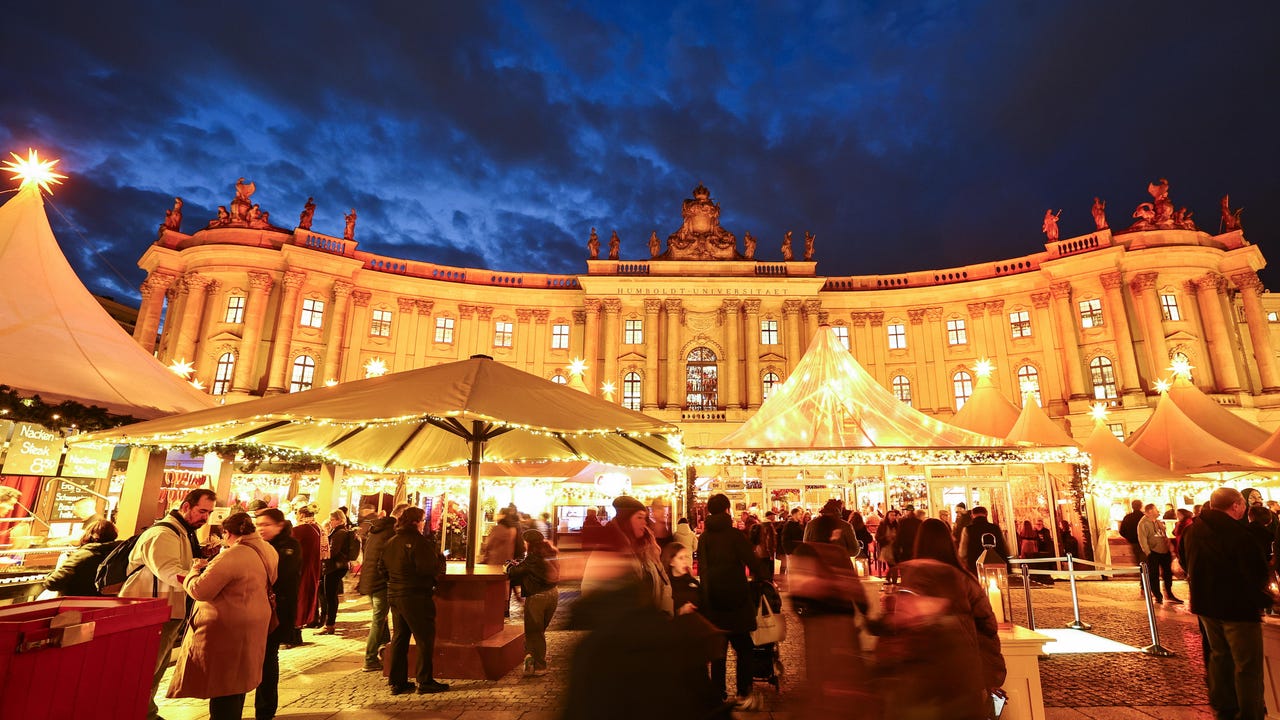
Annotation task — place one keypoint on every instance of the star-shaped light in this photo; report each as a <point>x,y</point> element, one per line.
<point>33,171</point>
<point>983,368</point>
<point>608,388</point>
<point>182,368</point>
<point>375,367</point>
<point>577,367</point>
<point>195,383</point>
<point>1162,386</point>
<point>330,382</point>
<point>1029,386</point>
<point>1098,411</point>
<point>1181,368</point>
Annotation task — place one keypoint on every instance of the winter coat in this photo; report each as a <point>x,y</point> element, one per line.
<point>848,538</point>
<point>75,576</point>
<point>1226,569</point>
<point>499,547</point>
<point>685,589</point>
<point>288,574</point>
<point>412,563</point>
<point>904,543</point>
<point>538,572</point>
<point>971,541</point>
<point>792,535</point>
<point>309,537</point>
<point>372,578</point>
<point>164,555</point>
<point>1151,536</point>
<point>224,647</point>
<point>1129,526</point>
<point>963,519</point>
<point>620,561</point>
<point>686,537</point>
<point>338,556</point>
<point>725,557</point>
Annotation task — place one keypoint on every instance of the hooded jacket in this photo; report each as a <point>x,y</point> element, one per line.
<point>1226,569</point>
<point>373,578</point>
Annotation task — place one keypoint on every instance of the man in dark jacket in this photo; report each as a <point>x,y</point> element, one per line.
<point>792,534</point>
<point>1129,530</point>
<point>904,543</point>
<point>971,539</point>
<point>1227,575</point>
<point>963,518</point>
<point>276,530</point>
<point>725,557</point>
<point>843,534</point>
<point>412,563</point>
<point>373,583</point>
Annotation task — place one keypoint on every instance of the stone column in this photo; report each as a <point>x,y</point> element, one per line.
<point>936,338</point>
<point>998,338</point>
<point>1143,287</point>
<point>754,391</point>
<point>360,331</point>
<point>341,303</point>
<point>1053,388</point>
<point>243,380</point>
<point>523,339</point>
<point>286,316</point>
<point>1130,383</point>
<point>465,331</point>
<point>1256,317</point>
<point>404,333</point>
<point>791,328</point>
<point>1069,340</point>
<point>649,388</point>
<point>858,340</point>
<point>153,290</point>
<point>675,374</point>
<point>540,317</point>
<point>1209,290</point>
<point>591,345</point>
<point>877,343</point>
<point>923,394</point>
<point>732,398</point>
<point>978,329</point>
<point>196,288</point>
<point>812,318</point>
<point>482,341</point>
<point>422,333</point>
<point>612,340</point>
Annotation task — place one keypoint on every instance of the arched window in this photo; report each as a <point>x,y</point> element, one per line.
<point>1029,381</point>
<point>559,379</point>
<point>304,371</point>
<point>901,388</point>
<point>1104,379</point>
<point>767,385</point>
<point>631,391</point>
<point>700,380</point>
<point>222,376</point>
<point>962,384</point>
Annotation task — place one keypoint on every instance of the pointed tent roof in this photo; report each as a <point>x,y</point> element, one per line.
<point>1271,448</point>
<point>987,411</point>
<point>831,402</point>
<point>1113,461</point>
<point>1213,418</point>
<point>1034,426</point>
<point>1172,440</point>
<point>56,340</point>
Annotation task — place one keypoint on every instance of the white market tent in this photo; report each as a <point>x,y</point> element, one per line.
<point>1035,427</point>
<point>1171,439</point>
<point>987,411</point>
<point>1213,418</point>
<point>57,341</point>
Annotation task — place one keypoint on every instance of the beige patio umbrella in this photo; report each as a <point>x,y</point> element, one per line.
<point>464,412</point>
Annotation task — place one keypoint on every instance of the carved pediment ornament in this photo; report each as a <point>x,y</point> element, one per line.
<point>701,237</point>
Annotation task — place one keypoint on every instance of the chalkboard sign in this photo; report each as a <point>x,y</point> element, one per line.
<point>87,462</point>
<point>73,501</point>
<point>33,450</point>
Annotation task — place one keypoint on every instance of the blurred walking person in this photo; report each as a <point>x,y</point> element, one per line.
<point>537,576</point>
<point>412,563</point>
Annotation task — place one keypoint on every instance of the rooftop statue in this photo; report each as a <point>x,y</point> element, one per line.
<point>1161,202</point>
<point>1230,218</point>
<point>748,246</point>
<point>787,255</point>
<point>1050,225</point>
<point>240,204</point>
<point>1182,219</point>
<point>1158,214</point>
<point>701,237</point>
<point>1100,213</point>
<point>593,246</point>
<point>655,245</point>
<point>349,233</point>
<point>808,245</point>
<point>223,219</point>
<point>173,218</point>
<point>308,212</point>
<point>614,244</point>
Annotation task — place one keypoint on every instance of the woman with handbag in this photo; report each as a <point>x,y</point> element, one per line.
<point>224,648</point>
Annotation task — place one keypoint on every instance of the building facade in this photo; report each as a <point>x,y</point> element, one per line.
<point>700,332</point>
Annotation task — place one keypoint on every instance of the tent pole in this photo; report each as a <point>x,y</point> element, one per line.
<point>473,510</point>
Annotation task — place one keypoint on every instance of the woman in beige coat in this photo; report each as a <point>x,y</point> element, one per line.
<point>222,653</point>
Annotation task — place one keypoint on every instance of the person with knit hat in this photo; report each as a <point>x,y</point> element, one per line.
<point>629,553</point>
<point>537,576</point>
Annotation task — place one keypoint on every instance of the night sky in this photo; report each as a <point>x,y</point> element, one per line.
<point>905,135</point>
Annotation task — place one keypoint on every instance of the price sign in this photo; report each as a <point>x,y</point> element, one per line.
<point>74,501</point>
<point>33,450</point>
<point>87,462</point>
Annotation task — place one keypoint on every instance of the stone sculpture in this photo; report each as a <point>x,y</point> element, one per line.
<point>1099,213</point>
<point>349,233</point>
<point>786,248</point>
<point>308,212</point>
<point>701,237</point>
<point>241,203</point>
<point>749,246</point>
<point>173,218</point>
<point>1230,218</point>
<point>655,245</point>
<point>614,244</point>
<point>1050,225</point>
<point>593,246</point>
<point>809,238</point>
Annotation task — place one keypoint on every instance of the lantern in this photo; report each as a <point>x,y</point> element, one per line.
<point>994,577</point>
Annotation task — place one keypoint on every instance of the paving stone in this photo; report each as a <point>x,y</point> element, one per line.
<point>1053,713</point>
<point>1117,713</point>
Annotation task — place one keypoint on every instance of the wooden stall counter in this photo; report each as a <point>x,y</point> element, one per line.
<point>1022,649</point>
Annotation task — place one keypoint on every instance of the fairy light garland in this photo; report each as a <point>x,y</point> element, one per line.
<point>887,456</point>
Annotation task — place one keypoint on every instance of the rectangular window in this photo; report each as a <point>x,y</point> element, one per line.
<point>956,333</point>
<point>768,332</point>
<point>235,310</point>
<point>1020,324</point>
<point>842,332</point>
<point>312,314</point>
<point>1117,429</point>
<point>897,337</point>
<point>1091,313</point>
<point>559,337</point>
<point>502,334</point>
<point>380,325</point>
<point>1273,316</point>
<point>444,330</point>
<point>633,332</point>
<point>1169,307</point>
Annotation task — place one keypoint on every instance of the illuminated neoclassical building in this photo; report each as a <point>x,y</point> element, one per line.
<point>699,331</point>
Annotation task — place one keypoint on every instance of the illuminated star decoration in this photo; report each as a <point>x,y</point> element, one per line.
<point>182,368</point>
<point>195,383</point>
<point>33,171</point>
<point>375,367</point>
<point>1098,412</point>
<point>1181,368</point>
<point>983,368</point>
<point>1162,386</point>
<point>607,388</point>
<point>1029,386</point>
<point>577,367</point>
<point>330,382</point>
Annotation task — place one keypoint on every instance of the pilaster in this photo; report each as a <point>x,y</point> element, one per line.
<point>244,379</point>
<point>1256,318</point>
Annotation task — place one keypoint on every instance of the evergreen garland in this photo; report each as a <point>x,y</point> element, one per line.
<point>68,414</point>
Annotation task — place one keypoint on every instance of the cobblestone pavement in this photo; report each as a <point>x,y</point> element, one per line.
<point>323,680</point>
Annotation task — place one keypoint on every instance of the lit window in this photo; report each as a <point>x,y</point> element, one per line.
<point>559,379</point>
<point>502,334</point>
<point>631,390</point>
<point>633,332</point>
<point>956,334</point>
<point>380,325</point>
<point>1169,307</point>
<point>1020,324</point>
<point>304,371</point>
<point>768,384</point>
<point>235,310</point>
<point>901,388</point>
<point>444,330</point>
<point>842,333</point>
<point>1104,379</point>
<point>1091,313</point>
<point>768,332</point>
<point>897,337</point>
<point>559,337</point>
<point>1029,381</point>
<point>1273,316</point>
<point>700,380</point>
<point>962,383</point>
<point>312,314</point>
<point>222,375</point>
<point>1117,429</point>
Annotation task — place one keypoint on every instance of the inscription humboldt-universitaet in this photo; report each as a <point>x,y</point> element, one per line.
<point>699,291</point>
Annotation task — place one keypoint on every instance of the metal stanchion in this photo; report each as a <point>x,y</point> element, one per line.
<point>1026,588</point>
<point>1075,599</point>
<point>1155,648</point>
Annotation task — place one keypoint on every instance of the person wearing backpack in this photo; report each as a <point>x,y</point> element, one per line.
<point>76,576</point>
<point>344,549</point>
<point>160,560</point>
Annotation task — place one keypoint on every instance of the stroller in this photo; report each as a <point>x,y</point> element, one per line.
<point>766,660</point>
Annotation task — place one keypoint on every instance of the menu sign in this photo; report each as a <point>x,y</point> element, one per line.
<point>87,462</point>
<point>33,450</point>
<point>74,501</point>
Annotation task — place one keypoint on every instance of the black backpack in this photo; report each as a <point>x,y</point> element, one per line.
<point>114,569</point>
<point>353,546</point>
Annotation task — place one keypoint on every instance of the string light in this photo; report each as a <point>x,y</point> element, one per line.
<point>375,367</point>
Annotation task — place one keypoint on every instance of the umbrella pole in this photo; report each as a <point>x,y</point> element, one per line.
<point>473,509</point>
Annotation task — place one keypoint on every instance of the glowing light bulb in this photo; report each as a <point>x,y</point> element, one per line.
<point>34,171</point>
<point>983,368</point>
<point>182,368</point>
<point>1098,411</point>
<point>607,388</point>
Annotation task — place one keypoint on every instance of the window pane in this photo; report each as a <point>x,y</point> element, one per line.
<point>502,334</point>
<point>1169,307</point>
<point>1090,313</point>
<point>1104,379</point>
<point>223,374</point>
<point>701,380</point>
<point>633,333</point>
<point>559,337</point>
<point>444,330</point>
<point>962,384</point>
<point>768,332</point>
<point>235,309</point>
<point>559,379</point>
<point>902,388</point>
<point>1020,324</point>
<point>956,334</point>
<point>1029,382</point>
<point>380,324</point>
<point>897,337</point>
<point>768,384</point>
<point>842,333</point>
<point>304,370</point>
<point>631,391</point>
<point>312,314</point>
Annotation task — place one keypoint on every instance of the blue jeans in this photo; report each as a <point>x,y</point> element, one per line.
<point>379,634</point>
<point>538,611</point>
<point>1234,672</point>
